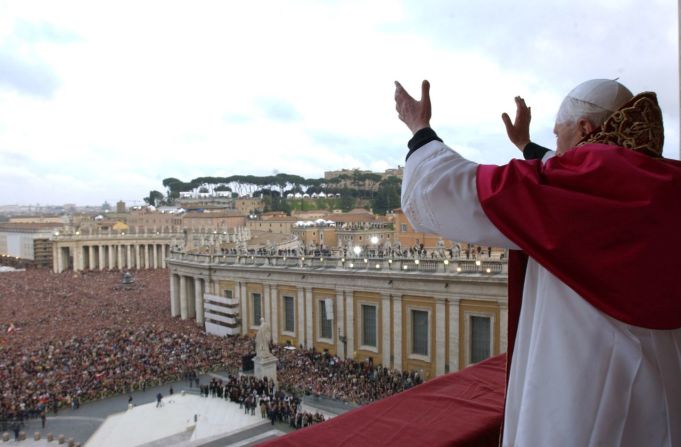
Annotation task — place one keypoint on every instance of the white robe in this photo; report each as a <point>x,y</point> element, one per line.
<point>578,376</point>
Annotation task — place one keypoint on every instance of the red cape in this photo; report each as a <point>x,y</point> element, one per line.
<point>603,219</point>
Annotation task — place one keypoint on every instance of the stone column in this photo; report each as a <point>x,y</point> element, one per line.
<point>350,323</point>
<point>102,259</point>
<point>397,332</point>
<point>385,313</point>
<point>246,323</point>
<point>503,327</point>
<point>340,323</point>
<point>81,258</point>
<point>198,300</point>
<point>91,257</point>
<point>301,316</point>
<point>128,256</point>
<point>453,335</point>
<point>112,262</point>
<point>191,298</point>
<point>266,303</point>
<point>184,307</point>
<point>174,296</point>
<point>154,248</point>
<point>137,257</point>
<point>163,256</point>
<point>78,253</point>
<point>439,336</point>
<point>274,315</point>
<point>119,250</point>
<point>55,257</point>
<point>237,296</point>
<point>308,318</point>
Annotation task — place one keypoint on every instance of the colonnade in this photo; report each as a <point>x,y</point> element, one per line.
<point>108,255</point>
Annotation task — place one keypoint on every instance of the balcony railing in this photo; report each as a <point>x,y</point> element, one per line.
<point>368,264</point>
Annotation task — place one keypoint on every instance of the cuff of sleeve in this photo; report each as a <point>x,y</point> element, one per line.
<point>533,151</point>
<point>421,138</point>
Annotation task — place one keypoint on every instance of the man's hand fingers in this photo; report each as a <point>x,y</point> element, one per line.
<point>425,90</point>
<point>507,122</point>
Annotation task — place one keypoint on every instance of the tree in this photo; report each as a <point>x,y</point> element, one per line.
<point>155,198</point>
<point>388,195</point>
<point>347,201</point>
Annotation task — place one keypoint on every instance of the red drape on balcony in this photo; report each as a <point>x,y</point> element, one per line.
<point>458,409</point>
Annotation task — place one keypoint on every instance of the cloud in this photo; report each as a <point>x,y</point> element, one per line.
<point>278,109</point>
<point>27,75</point>
<point>32,32</point>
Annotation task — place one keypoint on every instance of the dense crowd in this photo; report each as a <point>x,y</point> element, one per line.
<point>66,338</point>
<point>319,373</point>
<point>261,394</point>
<point>72,337</point>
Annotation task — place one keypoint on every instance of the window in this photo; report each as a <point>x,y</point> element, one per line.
<point>257,309</point>
<point>325,316</point>
<point>419,332</point>
<point>289,314</point>
<point>368,325</point>
<point>481,335</point>
<point>227,293</point>
<point>403,228</point>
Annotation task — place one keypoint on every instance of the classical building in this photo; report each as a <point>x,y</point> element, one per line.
<point>77,251</point>
<point>214,221</point>
<point>21,239</point>
<point>272,223</point>
<point>249,205</point>
<point>433,316</point>
<point>156,221</point>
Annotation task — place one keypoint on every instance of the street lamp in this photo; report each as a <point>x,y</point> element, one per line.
<point>343,339</point>
<point>357,250</point>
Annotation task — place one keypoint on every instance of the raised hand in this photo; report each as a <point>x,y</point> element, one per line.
<point>415,114</point>
<point>519,130</point>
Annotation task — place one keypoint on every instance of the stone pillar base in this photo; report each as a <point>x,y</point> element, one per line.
<point>265,367</point>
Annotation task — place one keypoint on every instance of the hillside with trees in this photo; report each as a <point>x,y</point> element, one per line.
<point>275,188</point>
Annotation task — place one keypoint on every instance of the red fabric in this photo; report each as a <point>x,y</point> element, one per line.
<point>605,220</point>
<point>457,409</point>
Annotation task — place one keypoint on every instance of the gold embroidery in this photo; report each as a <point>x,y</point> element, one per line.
<point>637,125</point>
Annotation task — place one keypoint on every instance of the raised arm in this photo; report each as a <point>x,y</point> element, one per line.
<point>518,132</point>
<point>439,193</point>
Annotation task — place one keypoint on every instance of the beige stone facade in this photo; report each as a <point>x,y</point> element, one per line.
<point>248,205</point>
<point>111,251</point>
<point>431,316</point>
<point>140,220</point>
<point>217,221</point>
<point>272,224</point>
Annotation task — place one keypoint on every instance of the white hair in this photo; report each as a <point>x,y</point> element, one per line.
<point>593,100</point>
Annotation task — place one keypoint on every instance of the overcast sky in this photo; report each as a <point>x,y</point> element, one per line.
<point>103,100</point>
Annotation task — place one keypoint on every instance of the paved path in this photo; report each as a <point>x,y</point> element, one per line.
<point>80,424</point>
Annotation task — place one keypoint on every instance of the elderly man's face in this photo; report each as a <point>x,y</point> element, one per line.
<point>567,136</point>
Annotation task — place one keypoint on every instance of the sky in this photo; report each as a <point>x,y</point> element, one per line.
<point>100,101</point>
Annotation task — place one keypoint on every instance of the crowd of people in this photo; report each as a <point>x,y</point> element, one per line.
<point>322,374</point>
<point>253,394</point>
<point>73,337</point>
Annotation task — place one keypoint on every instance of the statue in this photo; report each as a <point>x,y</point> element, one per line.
<point>299,250</point>
<point>456,250</point>
<point>440,249</point>
<point>262,340</point>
